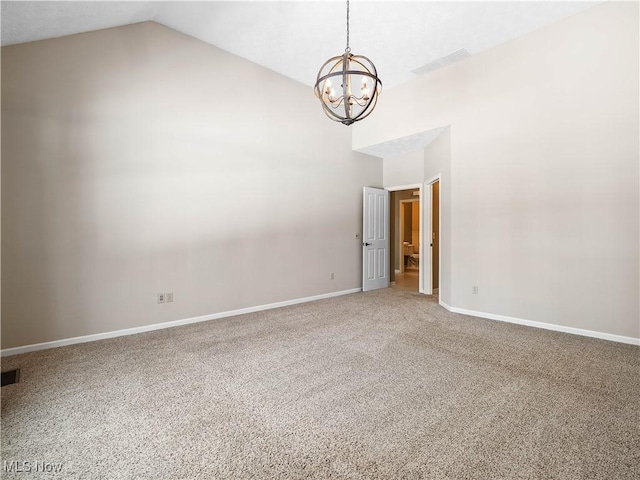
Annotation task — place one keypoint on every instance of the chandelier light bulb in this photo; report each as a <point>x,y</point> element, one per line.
<point>365,89</point>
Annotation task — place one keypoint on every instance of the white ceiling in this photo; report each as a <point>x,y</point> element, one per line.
<point>295,38</point>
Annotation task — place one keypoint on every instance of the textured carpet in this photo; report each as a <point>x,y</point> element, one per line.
<point>383,384</point>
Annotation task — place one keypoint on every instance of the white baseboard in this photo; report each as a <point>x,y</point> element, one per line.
<point>175,323</point>
<point>546,326</point>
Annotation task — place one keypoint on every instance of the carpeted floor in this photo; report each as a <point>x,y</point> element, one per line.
<point>375,385</point>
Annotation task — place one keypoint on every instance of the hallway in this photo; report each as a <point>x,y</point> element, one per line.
<point>408,281</point>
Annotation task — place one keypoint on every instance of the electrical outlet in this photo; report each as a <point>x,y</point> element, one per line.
<point>161,298</point>
<point>333,275</point>
<point>169,297</point>
<point>475,289</point>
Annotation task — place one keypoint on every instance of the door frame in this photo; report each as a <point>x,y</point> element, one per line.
<point>428,234</point>
<point>421,200</point>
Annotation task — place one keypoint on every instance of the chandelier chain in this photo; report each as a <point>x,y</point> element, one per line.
<point>347,49</point>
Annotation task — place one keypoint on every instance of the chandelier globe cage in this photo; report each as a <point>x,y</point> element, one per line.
<point>348,86</point>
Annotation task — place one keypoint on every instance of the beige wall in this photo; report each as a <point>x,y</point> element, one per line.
<point>404,169</point>
<point>408,219</point>
<point>138,160</point>
<point>544,190</point>
<point>437,162</point>
<point>415,224</point>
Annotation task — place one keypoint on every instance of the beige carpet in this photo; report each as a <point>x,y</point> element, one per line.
<point>383,384</point>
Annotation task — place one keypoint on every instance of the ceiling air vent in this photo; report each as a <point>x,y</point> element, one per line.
<point>441,62</point>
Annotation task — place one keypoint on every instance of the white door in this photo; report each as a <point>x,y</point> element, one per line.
<point>375,239</point>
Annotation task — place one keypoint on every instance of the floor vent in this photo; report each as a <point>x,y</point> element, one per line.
<point>10,376</point>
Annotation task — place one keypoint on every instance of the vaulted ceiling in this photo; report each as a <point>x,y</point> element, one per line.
<point>295,38</point>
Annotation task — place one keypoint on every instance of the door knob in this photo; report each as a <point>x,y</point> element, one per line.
<point>366,244</point>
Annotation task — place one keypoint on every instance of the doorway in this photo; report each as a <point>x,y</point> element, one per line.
<point>435,236</point>
<point>432,233</point>
<point>406,231</point>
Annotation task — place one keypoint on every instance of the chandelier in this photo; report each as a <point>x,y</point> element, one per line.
<point>356,89</point>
